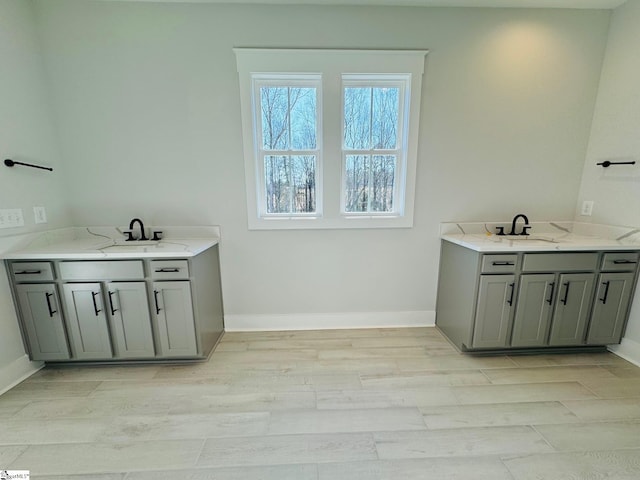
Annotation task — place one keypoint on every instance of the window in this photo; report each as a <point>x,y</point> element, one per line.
<point>286,116</point>
<point>330,136</point>
<point>374,143</point>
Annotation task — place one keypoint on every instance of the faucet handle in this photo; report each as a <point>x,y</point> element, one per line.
<point>524,229</point>
<point>129,235</point>
<point>157,235</point>
<point>500,231</point>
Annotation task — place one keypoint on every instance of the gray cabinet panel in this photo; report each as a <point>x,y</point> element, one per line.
<point>610,308</point>
<point>128,307</point>
<point>174,314</point>
<point>533,313</point>
<point>493,312</point>
<point>39,306</point>
<point>573,301</point>
<point>499,263</point>
<point>102,270</point>
<point>31,271</point>
<point>87,321</point>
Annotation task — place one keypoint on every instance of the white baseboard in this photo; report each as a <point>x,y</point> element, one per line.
<point>628,349</point>
<point>15,372</point>
<point>324,321</point>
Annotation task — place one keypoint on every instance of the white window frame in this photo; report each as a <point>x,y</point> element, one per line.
<point>331,64</point>
<point>403,83</point>
<point>286,80</point>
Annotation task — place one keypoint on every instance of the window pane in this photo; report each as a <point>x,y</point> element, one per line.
<point>304,182</point>
<point>303,118</point>
<point>274,104</point>
<point>383,172</point>
<point>357,118</point>
<point>385,118</point>
<point>357,181</point>
<point>290,183</point>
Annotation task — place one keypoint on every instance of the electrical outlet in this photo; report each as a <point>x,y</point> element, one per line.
<point>40,215</point>
<point>587,208</point>
<point>11,218</point>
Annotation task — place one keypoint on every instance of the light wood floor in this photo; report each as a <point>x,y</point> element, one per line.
<point>330,405</point>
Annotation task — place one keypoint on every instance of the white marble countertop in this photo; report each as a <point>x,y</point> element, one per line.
<point>543,237</point>
<point>96,243</point>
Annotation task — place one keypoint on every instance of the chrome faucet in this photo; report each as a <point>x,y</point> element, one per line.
<point>130,232</point>
<point>525,227</point>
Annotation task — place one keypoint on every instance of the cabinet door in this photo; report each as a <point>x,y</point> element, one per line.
<point>493,311</point>
<point>87,321</point>
<point>533,313</point>
<point>174,313</point>
<point>128,309</point>
<point>44,328</point>
<point>575,291</point>
<point>610,308</point>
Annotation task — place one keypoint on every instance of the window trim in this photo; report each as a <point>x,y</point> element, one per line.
<point>332,64</point>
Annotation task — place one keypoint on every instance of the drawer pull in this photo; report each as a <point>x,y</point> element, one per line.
<point>155,297</point>
<point>29,272</point>
<point>113,310</point>
<point>566,293</point>
<point>513,287</point>
<point>606,292</point>
<point>51,310</point>
<point>553,286</point>
<point>623,262</point>
<point>95,304</point>
<point>167,270</point>
<point>502,264</point>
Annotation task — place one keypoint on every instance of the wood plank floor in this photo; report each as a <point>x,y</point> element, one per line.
<point>330,405</point>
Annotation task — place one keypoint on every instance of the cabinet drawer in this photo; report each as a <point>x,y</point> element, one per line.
<point>620,261</point>
<point>31,271</point>
<point>560,262</point>
<point>170,269</point>
<point>499,263</point>
<point>103,270</point>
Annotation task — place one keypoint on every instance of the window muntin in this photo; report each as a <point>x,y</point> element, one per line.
<point>287,114</point>
<point>374,143</point>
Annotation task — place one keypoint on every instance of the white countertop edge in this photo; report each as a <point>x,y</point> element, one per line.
<point>90,243</point>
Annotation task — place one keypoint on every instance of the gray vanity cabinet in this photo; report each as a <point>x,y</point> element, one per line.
<point>119,310</point>
<point>535,306</point>
<point>128,311</point>
<point>571,315</point>
<point>87,321</point>
<point>493,314</point>
<point>557,300</point>
<point>611,308</point>
<point>40,308</point>
<point>174,316</point>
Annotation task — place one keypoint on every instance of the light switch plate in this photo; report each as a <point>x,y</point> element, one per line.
<point>587,208</point>
<point>11,218</point>
<point>40,215</point>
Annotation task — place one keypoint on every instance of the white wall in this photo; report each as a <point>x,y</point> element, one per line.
<point>147,103</point>
<point>614,135</point>
<point>26,134</point>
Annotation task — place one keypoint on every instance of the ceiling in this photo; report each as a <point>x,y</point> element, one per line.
<point>597,4</point>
